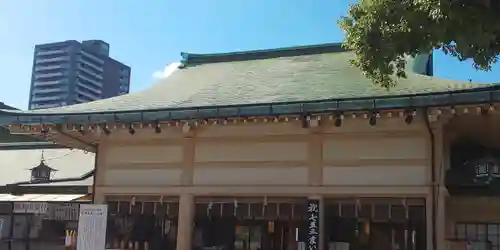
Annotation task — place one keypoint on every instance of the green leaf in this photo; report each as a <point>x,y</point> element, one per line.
<point>383,32</point>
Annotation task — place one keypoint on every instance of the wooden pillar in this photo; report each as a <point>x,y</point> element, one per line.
<point>436,200</point>
<point>98,197</point>
<point>185,223</point>
<point>441,218</point>
<point>429,203</point>
<point>315,178</point>
<point>440,233</point>
<point>315,159</point>
<point>187,161</point>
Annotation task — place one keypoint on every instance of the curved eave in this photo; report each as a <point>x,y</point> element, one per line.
<point>30,145</point>
<point>478,95</point>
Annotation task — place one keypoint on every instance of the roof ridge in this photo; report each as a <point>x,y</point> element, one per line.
<point>193,59</point>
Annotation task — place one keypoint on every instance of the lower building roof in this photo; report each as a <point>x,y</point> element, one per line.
<point>41,197</point>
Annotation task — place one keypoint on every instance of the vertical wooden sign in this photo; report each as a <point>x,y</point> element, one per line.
<point>313,225</point>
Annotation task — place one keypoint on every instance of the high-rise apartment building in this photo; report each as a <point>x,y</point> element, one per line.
<point>72,72</point>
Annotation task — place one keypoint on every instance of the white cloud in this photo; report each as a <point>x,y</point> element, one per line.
<point>169,69</point>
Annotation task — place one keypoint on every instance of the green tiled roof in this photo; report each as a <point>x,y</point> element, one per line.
<point>298,74</point>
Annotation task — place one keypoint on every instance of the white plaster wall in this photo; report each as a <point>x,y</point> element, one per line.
<point>143,177</point>
<point>252,129</point>
<point>376,161</point>
<point>143,154</point>
<point>473,209</point>
<point>251,176</point>
<point>376,176</point>
<point>250,151</point>
<point>375,148</point>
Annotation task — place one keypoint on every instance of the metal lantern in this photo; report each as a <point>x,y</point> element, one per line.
<point>486,169</point>
<point>42,172</point>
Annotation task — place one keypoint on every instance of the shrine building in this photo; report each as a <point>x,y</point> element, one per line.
<point>289,149</point>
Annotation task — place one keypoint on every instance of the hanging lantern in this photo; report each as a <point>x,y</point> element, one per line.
<point>235,207</point>
<point>366,227</point>
<point>270,226</point>
<point>486,169</point>
<point>42,172</point>
<point>356,215</point>
<point>209,208</point>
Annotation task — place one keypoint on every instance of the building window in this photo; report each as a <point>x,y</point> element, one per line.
<point>479,232</point>
<point>124,73</point>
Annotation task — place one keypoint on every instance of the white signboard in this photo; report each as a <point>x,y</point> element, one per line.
<point>30,207</point>
<point>92,227</point>
<point>64,211</point>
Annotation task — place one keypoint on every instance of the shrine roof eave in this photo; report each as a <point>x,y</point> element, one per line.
<point>487,94</point>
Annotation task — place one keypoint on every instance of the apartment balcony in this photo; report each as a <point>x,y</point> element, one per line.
<point>91,88</point>
<point>90,72</point>
<point>50,90</point>
<point>92,57</point>
<point>51,52</point>
<point>90,64</point>
<point>47,98</point>
<point>51,67</point>
<point>49,83</point>
<point>52,60</point>
<point>88,95</point>
<point>48,75</point>
<point>92,81</point>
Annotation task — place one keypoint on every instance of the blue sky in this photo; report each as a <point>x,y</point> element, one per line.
<point>147,35</point>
